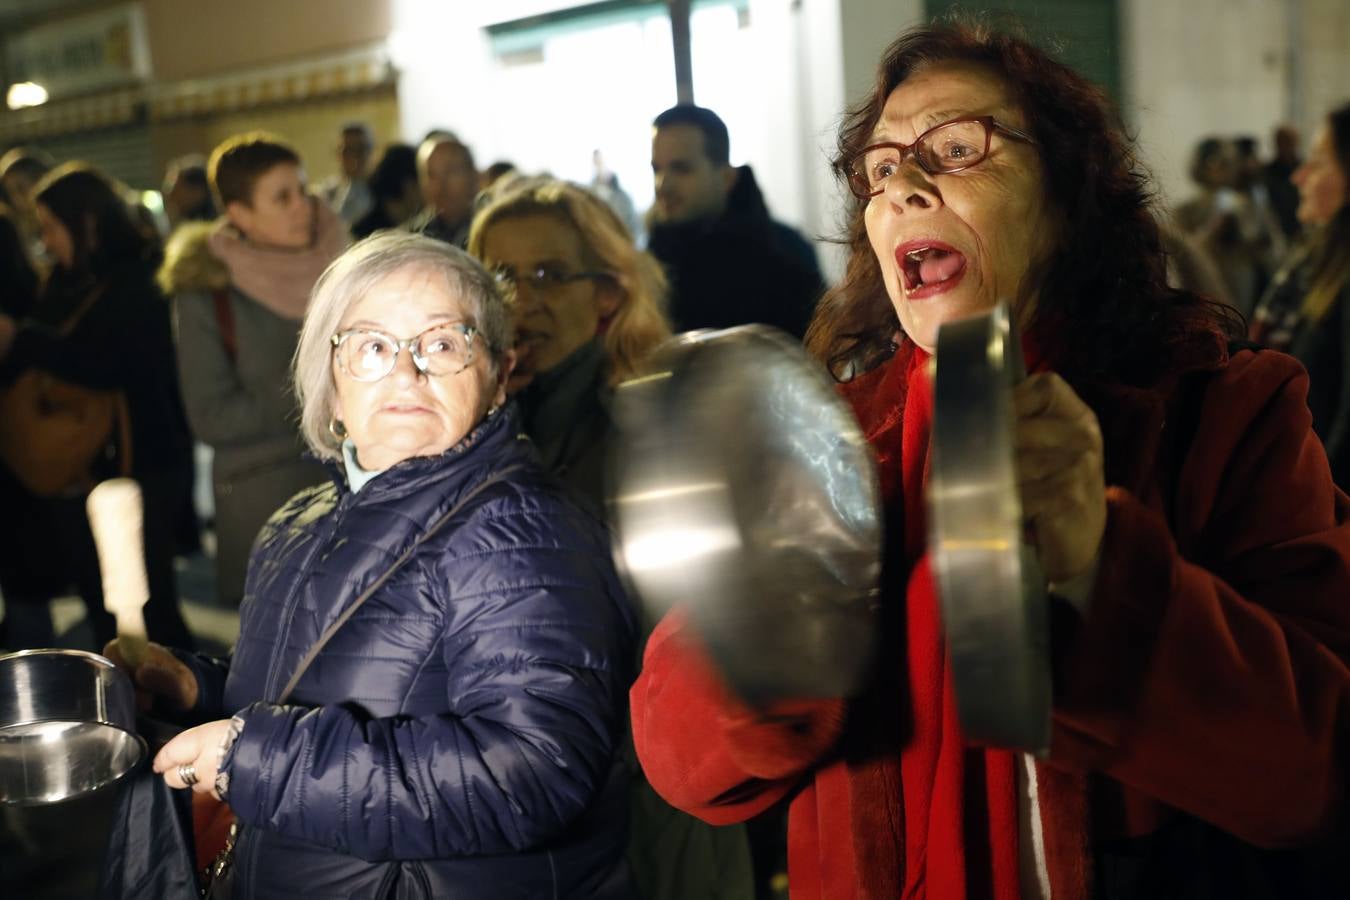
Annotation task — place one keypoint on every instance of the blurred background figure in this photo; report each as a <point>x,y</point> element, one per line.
<point>187,192</point>
<point>348,192</point>
<point>100,324</point>
<point>1278,179</point>
<point>1218,218</point>
<point>1266,241</point>
<point>1189,267</point>
<point>449,184</point>
<point>588,308</point>
<point>1304,310</point>
<point>729,262</point>
<point>18,276</point>
<point>240,288</point>
<point>605,184</point>
<point>28,561</point>
<point>20,170</point>
<point>494,173</point>
<point>395,195</point>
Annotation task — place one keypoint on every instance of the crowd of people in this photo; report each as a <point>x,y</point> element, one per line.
<point>440,687</point>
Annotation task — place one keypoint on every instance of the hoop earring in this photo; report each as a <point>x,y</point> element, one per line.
<point>337,429</point>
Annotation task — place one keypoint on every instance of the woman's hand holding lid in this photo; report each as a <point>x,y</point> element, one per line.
<point>1058,447</point>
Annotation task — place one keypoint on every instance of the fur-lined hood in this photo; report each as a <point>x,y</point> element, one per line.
<point>189,264</point>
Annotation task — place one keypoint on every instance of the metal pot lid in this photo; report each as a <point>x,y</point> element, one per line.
<point>994,605</point>
<point>745,493</point>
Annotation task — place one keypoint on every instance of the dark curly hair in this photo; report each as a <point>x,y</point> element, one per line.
<point>1104,309</point>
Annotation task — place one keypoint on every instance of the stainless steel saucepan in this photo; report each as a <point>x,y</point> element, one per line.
<point>67,725</point>
<point>747,495</point>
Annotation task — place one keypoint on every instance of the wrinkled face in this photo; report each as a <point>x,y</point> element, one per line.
<point>552,319</point>
<point>689,187</point>
<point>1322,183</point>
<point>55,237</point>
<point>449,182</point>
<point>951,246</point>
<point>280,212</point>
<point>354,154</point>
<point>407,413</point>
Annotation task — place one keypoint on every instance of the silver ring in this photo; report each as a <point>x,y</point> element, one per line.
<point>187,774</point>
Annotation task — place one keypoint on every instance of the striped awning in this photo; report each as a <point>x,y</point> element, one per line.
<point>333,74</point>
<point>355,70</point>
<point>92,113</point>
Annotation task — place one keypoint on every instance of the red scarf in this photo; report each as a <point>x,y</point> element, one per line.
<point>958,803</point>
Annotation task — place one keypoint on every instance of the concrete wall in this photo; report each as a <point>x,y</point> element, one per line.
<point>197,38</point>
<point>1228,67</point>
<point>845,40</point>
<point>1322,70</point>
<point>190,38</point>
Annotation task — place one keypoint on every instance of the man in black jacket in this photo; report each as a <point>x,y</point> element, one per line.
<point>728,261</point>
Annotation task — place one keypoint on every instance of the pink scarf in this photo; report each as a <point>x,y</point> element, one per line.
<point>280,279</point>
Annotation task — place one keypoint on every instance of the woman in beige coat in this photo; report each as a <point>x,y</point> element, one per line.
<point>240,288</point>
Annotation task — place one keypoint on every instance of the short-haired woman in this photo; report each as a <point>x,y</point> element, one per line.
<point>456,734</point>
<point>240,287</point>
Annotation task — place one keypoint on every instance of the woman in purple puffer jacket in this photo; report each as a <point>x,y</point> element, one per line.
<point>455,736</point>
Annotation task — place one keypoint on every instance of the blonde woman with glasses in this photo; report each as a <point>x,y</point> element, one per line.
<point>588,307</point>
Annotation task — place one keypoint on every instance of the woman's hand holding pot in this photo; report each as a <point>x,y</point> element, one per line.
<point>161,678</point>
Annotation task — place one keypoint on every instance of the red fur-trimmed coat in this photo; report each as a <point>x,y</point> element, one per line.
<point>1209,676</point>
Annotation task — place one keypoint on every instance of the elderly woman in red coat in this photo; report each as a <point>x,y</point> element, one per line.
<point>1183,509</point>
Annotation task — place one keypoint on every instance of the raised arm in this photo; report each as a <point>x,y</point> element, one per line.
<point>707,753</point>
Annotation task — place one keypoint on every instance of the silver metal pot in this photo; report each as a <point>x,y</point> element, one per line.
<point>747,496</point>
<point>67,725</point>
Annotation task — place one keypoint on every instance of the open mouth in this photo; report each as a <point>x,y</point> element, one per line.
<point>929,267</point>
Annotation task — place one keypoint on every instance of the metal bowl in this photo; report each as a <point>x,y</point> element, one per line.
<point>67,725</point>
<point>746,495</point>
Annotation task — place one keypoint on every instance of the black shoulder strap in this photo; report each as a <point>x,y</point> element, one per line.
<point>385,576</point>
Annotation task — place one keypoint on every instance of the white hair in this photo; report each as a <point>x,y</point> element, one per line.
<point>347,280</point>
